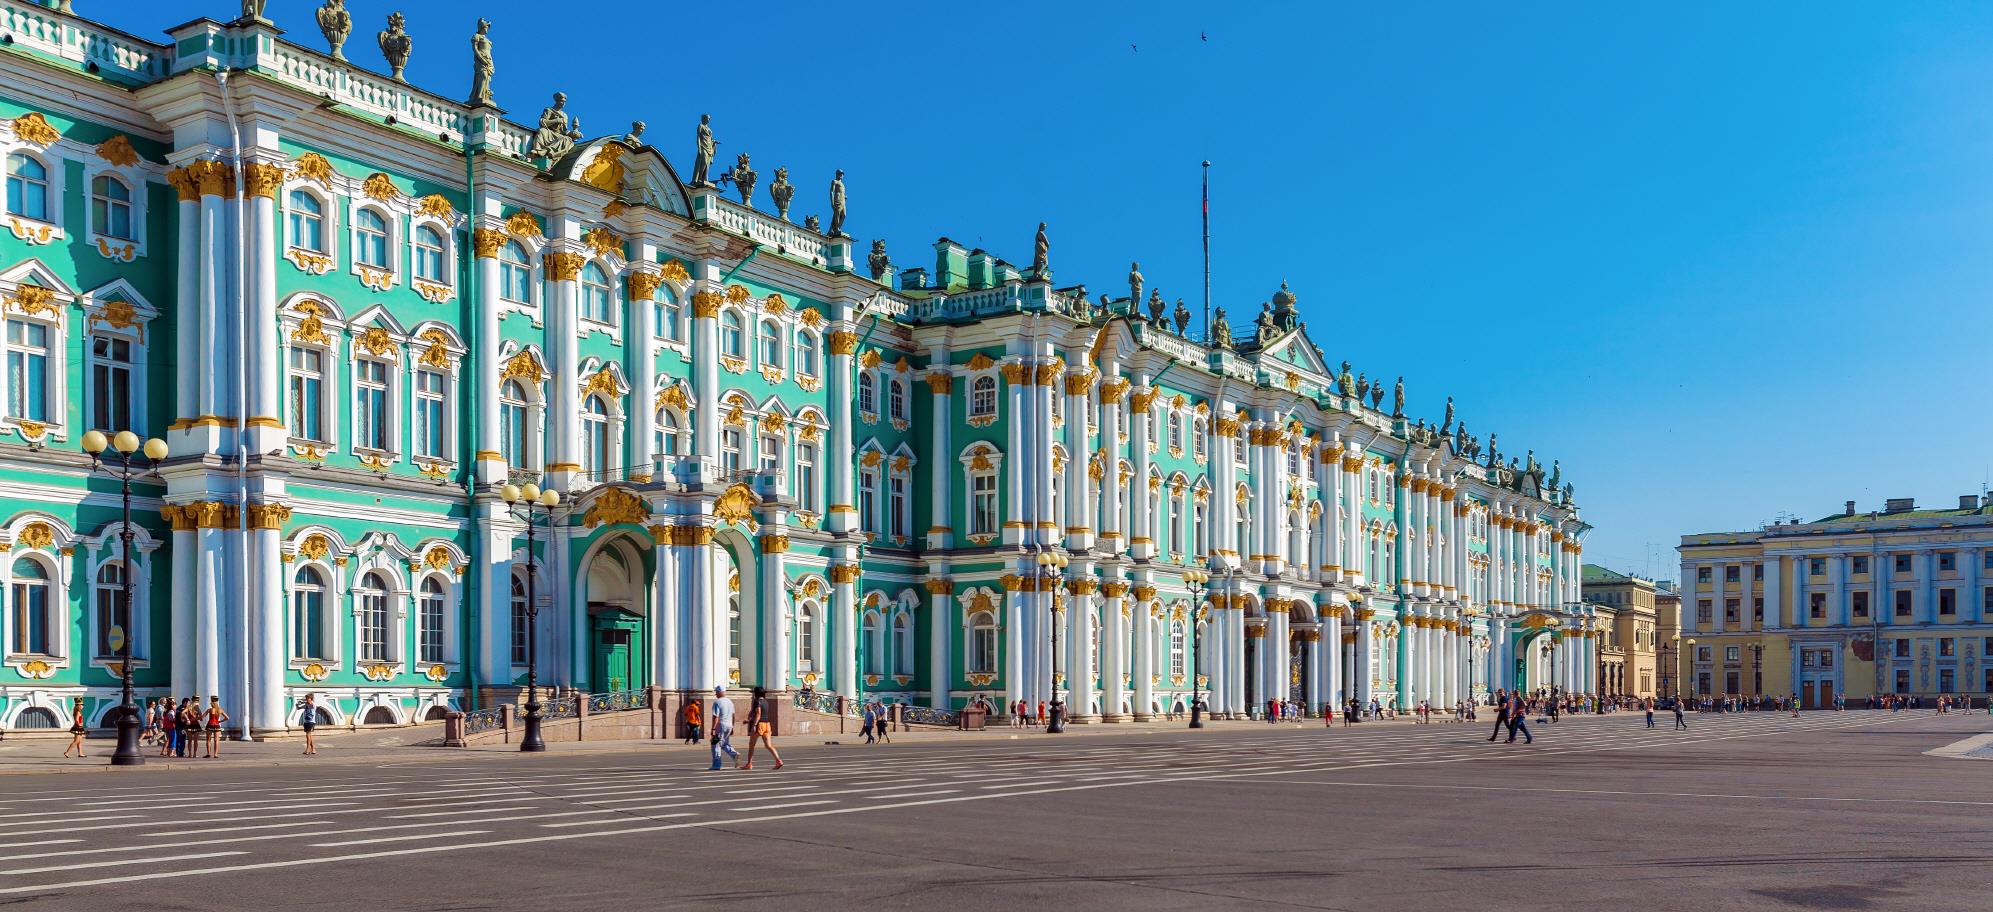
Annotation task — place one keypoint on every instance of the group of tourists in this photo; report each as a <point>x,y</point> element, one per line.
<point>184,727</point>
<point>720,722</point>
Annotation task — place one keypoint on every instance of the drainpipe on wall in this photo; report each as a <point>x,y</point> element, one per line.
<point>241,549</point>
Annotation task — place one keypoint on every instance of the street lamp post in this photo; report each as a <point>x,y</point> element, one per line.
<point>531,505</point>
<point>1051,565</point>
<point>154,449</point>
<point>1688,657</point>
<point>1758,672</point>
<point>1196,579</point>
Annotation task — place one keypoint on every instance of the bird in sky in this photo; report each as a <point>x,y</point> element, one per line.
<point>1203,37</point>
<point>1135,49</point>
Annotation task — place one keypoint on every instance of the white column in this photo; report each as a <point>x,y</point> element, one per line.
<point>1142,534</point>
<point>642,343</point>
<point>777,613</point>
<point>1113,537</point>
<point>844,628</point>
<point>490,465</point>
<point>941,630</point>
<point>706,393</point>
<point>1116,614</point>
<point>941,387</point>
<point>563,267</point>
<point>666,611</point>
<point>1079,671</point>
<point>694,578</point>
<point>838,462</point>
<point>1015,686</point>
<point>1016,496</point>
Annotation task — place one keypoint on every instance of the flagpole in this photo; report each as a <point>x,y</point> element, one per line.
<point>1207,251</point>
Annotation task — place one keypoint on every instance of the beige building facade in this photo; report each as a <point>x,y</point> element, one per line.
<point>1630,631</point>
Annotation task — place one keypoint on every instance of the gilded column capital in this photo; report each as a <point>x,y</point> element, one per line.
<point>487,242</point>
<point>1111,391</point>
<point>214,178</point>
<point>1144,593</point>
<point>185,184</point>
<point>844,574</point>
<point>941,383</point>
<point>1143,398</point>
<point>1114,589</point>
<point>564,266</point>
<point>706,304</point>
<point>642,285</point>
<point>263,179</point>
<point>774,544</point>
<point>268,515</point>
<point>1013,373</point>
<point>843,342</point>
<point>939,586</point>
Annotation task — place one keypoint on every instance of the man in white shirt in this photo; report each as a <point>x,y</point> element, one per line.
<point>721,721</point>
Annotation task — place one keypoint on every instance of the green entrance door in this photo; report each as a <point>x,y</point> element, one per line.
<point>614,668</point>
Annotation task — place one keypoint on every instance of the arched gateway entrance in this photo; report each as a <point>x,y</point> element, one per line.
<point>618,629</point>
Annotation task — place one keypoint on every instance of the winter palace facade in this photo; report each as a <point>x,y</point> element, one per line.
<point>355,309</point>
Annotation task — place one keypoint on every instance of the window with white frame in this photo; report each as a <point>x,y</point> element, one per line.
<point>111,383</point>
<point>771,453</point>
<point>1198,531</point>
<point>429,257</point>
<point>868,393</point>
<point>982,652</point>
<point>733,335</point>
<point>112,609</point>
<point>807,638</point>
<point>595,449</point>
<point>370,238</point>
<point>306,219</point>
<point>808,499</point>
<point>27,187</point>
<point>982,397</point>
<point>1176,431</point>
<point>668,430</point>
<point>870,648</point>
<point>515,274</point>
<point>308,639</point>
<point>1197,432</point>
<point>372,423</point>
<point>868,496</point>
<point>30,602</point>
<point>771,344</point>
<point>110,208</point>
<point>28,370</point>
<point>983,518</point>
<point>514,424</point>
<point>1177,649</point>
<point>898,504</point>
<point>371,617</point>
<point>595,298</point>
<point>521,619</point>
<point>668,312</point>
<point>430,413</point>
<point>903,644</point>
<point>806,353</point>
<point>897,399</point>
<point>429,613</point>
<point>730,450</point>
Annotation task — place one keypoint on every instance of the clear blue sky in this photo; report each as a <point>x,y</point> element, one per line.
<point>1723,260</point>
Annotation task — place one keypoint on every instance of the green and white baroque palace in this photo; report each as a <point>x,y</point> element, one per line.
<point>354,309</point>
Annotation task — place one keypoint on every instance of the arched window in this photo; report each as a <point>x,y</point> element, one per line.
<point>1176,431</point>
<point>733,336</point>
<point>982,652</point>
<point>371,597</point>
<point>667,432</point>
<point>515,274</point>
<point>307,217</point>
<point>429,254</point>
<point>806,353</point>
<point>903,645</point>
<point>1197,440</point>
<point>429,615</point>
<point>807,637</point>
<point>595,438</point>
<point>1202,544</point>
<point>771,344</point>
<point>308,615</point>
<point>521,619</point>
<point>27,187</point>
<point>669,312</point>
<point>733,633</point>
<point>34,630</point>
<point>869,646</point>
<point>868,393</point>
<point>1177,644</point>
<point>370,239</point>
<point>112,609</point>
<point>512,424</point>
<point>897,399</point>
<point>110,207</point>
<point>982,397</point>
<point>595,294</point>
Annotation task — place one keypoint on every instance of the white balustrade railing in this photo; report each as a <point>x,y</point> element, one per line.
<point>767,229</point>
<point>38,28</point>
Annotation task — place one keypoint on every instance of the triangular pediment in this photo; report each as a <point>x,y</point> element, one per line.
<point>1295,350</point>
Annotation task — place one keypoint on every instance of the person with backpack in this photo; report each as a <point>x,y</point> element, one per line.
<point>1519,721</point>
<point>690,718</point>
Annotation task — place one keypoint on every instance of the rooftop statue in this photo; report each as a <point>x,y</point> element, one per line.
<point>1377,396</point>
<point>1041,253</point>
<point>1346,384</point>
<point>1398,399</point>
<point>335,23</point>
<point>634,138</point>
<point>1494,455</point>
<point>812,223</point>
<point>878,260</point>
<point>1134,281</point>
<point>782,192</point>
<point>702,158</point>
<point>837,204</point>
<point>1221,330</point>
<point>1362,387</point>
<point>481,66</point>
<point>396,45</point>
<point>744,177</point>
<point>557,131</point>
<point>1263,324</point>
<point>1182,316</point>
<point>1568,500</point>
<point>1530,465</point>
<point>1156,307</point>
<point>1448,423</point>
<point>253,9</point>
<point>1556,474</point>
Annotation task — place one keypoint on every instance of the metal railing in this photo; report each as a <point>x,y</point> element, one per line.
<point>925,715</point>
<point>560,708</point>
<point>484,720</point>
<point>619,701</point>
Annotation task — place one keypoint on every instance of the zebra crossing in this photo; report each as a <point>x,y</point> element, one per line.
<point>56,836</point>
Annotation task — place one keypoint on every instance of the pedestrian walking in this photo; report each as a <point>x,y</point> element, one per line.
<point>1681,723</point>
<point>76,730</point>
<point>216,716</point>
<point>308,720</point>
<point>758,730</point>
<point>721,720</point>
<point>191,729</point>
<point>866,723</point>
<point>1649,703</point>
<point>169,728</point>
<point>1794,703</point>
<point>1501,713</point>
<point>690,719</point>
<point>1519,722</point>
<point>884,723</point>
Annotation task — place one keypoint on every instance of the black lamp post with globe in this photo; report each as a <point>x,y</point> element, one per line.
<point>122,466</point>
<point>532,506</point>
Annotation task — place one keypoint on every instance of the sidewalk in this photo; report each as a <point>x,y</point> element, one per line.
<point>19,756</point>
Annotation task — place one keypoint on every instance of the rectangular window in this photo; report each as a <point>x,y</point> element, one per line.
<point>1702,574</point>
<point>429,413</point>
<point>370,406</point>
<point>1948,601</point>
<point>1730,607</point>
<point>111,612</point>
<point>1947,680</point>
<point>1902,563</point>
<point>110,384</point>
<point>806,477</point>
<point>1902,648</point>
<point>307,393</point>
<point>1902,680</point>
<point>27,370</point>
<point>1816,606</point>
<point>1947,647</point>
<point>1947,560</point>
<point>1859,600</point>
<point>1733,574</point>
<point>1733,653</point>
<point>730,456</point>
<point>1816,566</point>
<point>1702,653</point>
<point>1758,609</point>
<point>1702,611</point>
<point>868,495</point>
<point>771,453</point>
<point>1758,571</point>
<point>983,504</point>
<point>1902,603</point>
<point>897,504</point>
<point>1860,565</point>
